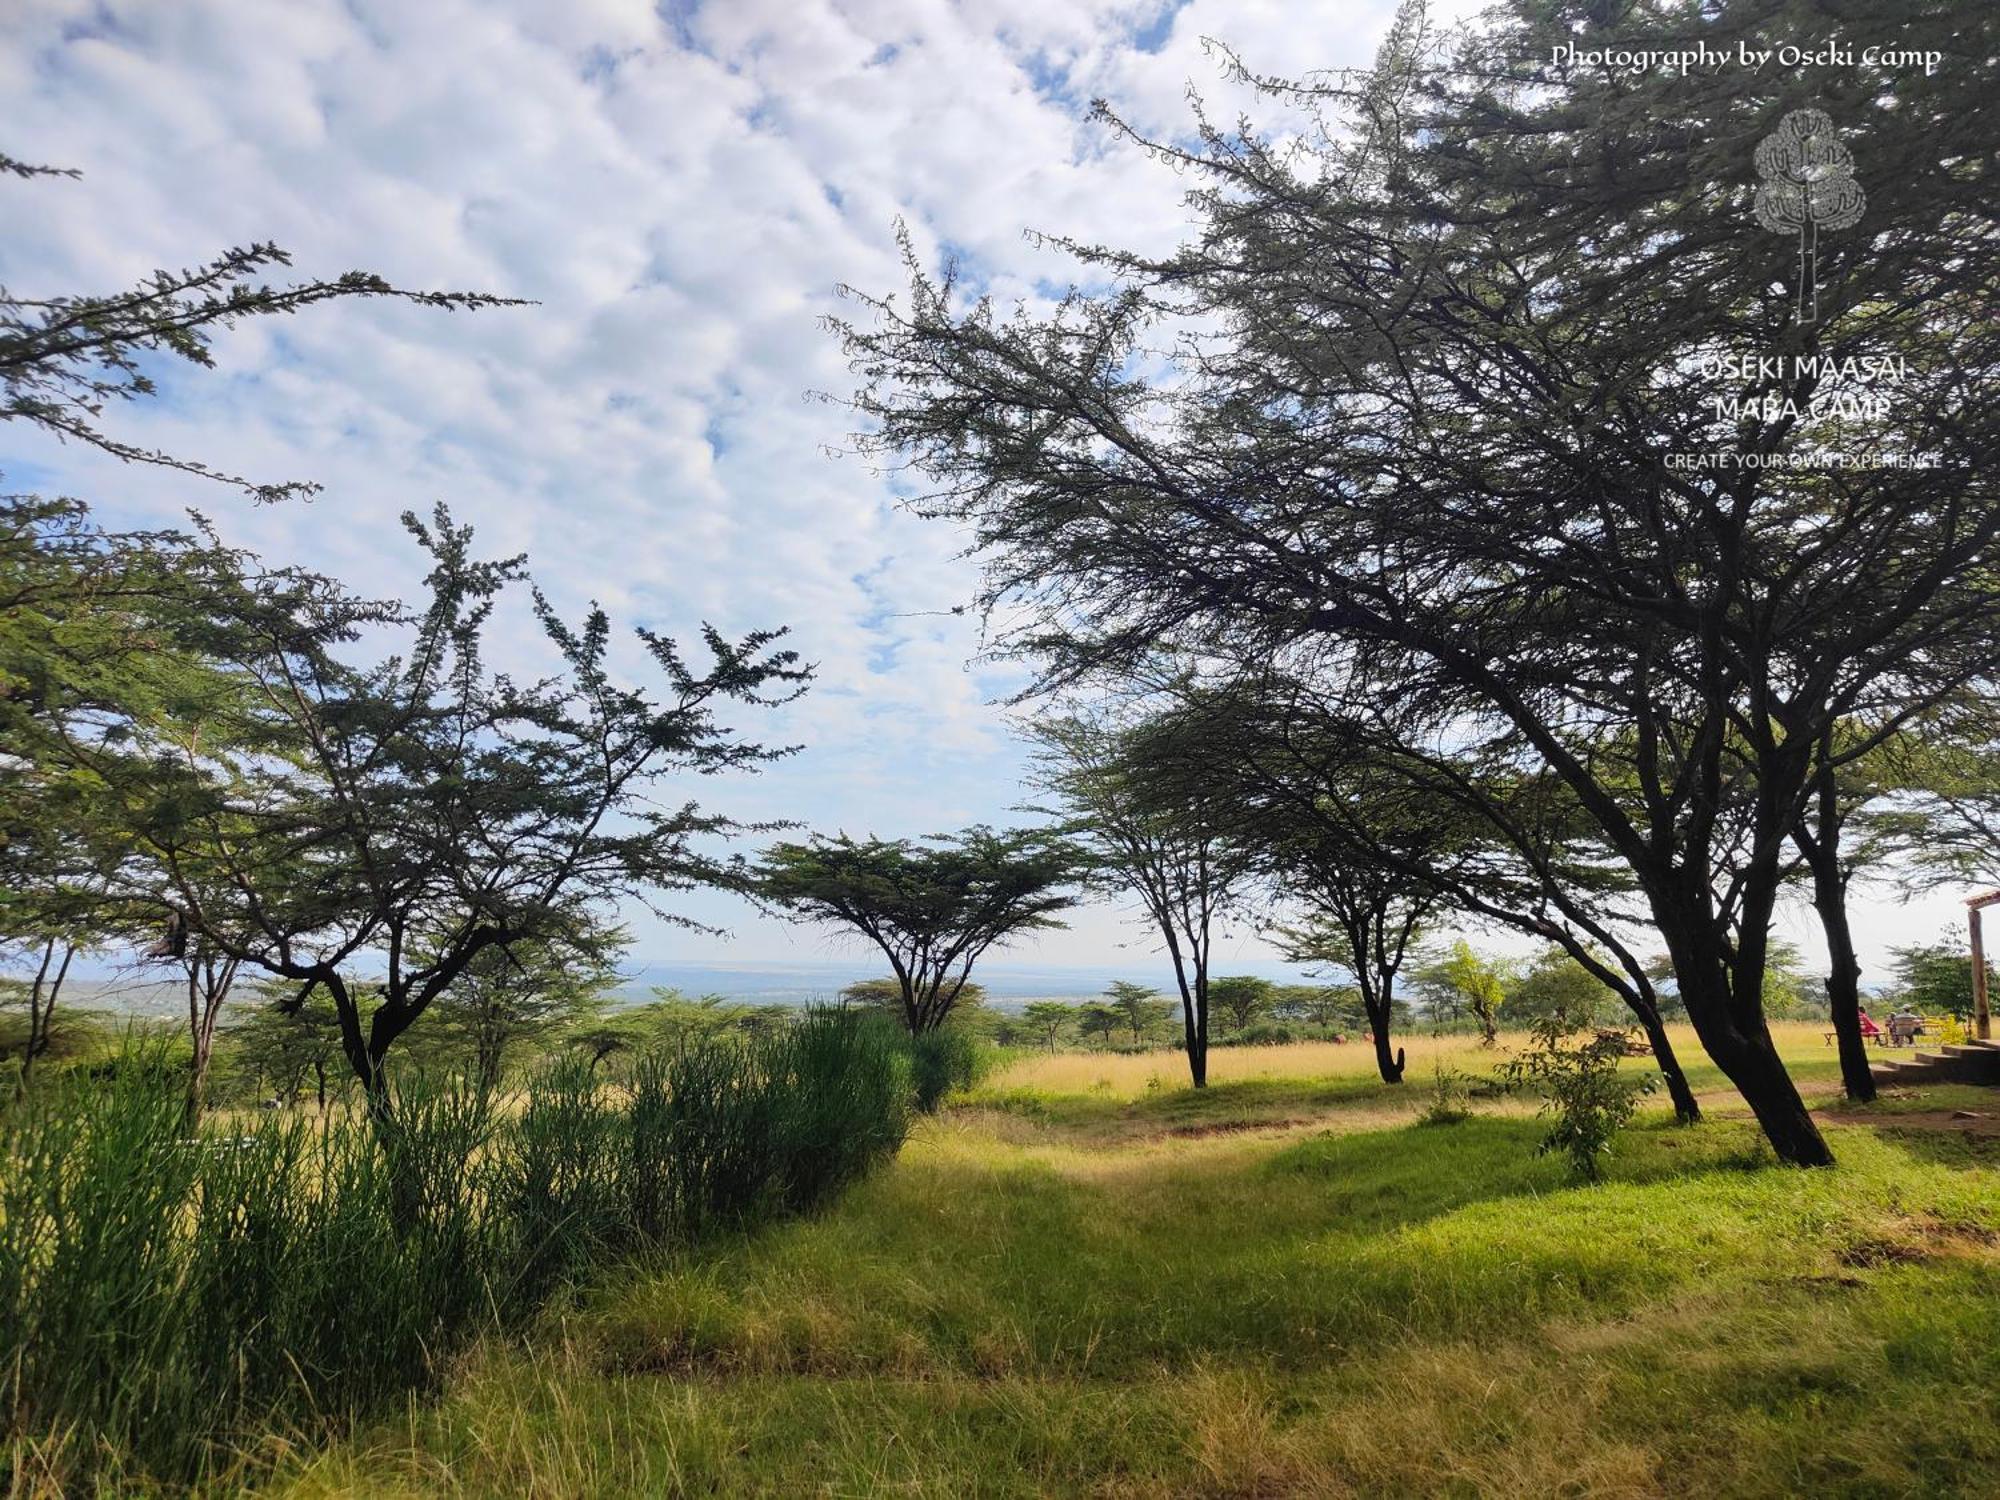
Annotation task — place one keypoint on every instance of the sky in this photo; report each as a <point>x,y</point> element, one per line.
<point>681,188</point>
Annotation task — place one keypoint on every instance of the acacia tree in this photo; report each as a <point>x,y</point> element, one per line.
<point>932,905</point>
<point>1324,1005</point>
<point>64,358</point>
<point>282,1040</point>
<point>1154,834</point>
<point>1242,998</point>
<point>95,624</point>
<point>1047,1019</point>
<point>523,993</point>
<point>1477,982</point>
<point>1471,829</point>
<point>1140,1005</point>
<point>1433,366</point>
<point>422,811</point>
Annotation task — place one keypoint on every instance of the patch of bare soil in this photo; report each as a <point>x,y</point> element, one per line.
<point>1964,1121</point>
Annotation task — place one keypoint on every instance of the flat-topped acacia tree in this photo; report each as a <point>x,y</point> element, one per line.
<point>932,905</point>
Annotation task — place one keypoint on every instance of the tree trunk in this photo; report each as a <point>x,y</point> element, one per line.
<point>489,1057</point>
<point>1843,992</point>
<point>204,1048</point>
<point>1380,1010</point>
<point>1687,1110</point>
<point>42,1006</point>
<point>209,983</point>
<point>1391,1067</point>
<point>1742,1047</point>
<point>1194,1034</point>
<point>1761,1078</point>
<point>1821,848</point>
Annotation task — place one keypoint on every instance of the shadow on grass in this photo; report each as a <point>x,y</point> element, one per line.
<point>1101,1117</point>
<point>996,1262</point>
<point>1963,1150</point>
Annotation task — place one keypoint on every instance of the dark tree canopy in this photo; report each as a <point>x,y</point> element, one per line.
<point>1421,430</point>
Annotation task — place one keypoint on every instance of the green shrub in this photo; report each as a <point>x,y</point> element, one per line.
<point>945,1061</point>
<point>163,1292</point>
<point>1575,1070</point>
<point>843,1104</point>
<point>1450,1094</point>
<point>1258,1034</point>
<point>557,1177</point>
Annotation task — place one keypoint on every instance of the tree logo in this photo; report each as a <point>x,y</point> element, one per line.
<point>1805,183</point>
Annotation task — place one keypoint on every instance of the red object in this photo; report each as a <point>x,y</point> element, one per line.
<point>1869,1028</point>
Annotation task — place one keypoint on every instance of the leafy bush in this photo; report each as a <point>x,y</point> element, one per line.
<point>1575,1071</point>
<point>841,1104</point>
<point>166,1295</point>
<point>1450,1091</point>
<point>558,1185</point>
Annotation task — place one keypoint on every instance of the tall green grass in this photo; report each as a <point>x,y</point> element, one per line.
<point>716,1135</point>
<point>948,1060</point>
<point>166,1298</point>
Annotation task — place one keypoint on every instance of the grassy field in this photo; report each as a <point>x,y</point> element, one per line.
<point>1088,1279</point>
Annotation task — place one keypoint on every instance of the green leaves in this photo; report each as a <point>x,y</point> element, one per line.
<point>933,906</point>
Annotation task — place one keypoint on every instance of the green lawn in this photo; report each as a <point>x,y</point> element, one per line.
<point>1278,1287</point>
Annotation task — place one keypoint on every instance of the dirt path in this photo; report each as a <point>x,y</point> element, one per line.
<point>1968,1122</point>
<point>1726,1102</point>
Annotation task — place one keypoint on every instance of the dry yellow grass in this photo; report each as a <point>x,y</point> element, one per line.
<point>1129,1075</point>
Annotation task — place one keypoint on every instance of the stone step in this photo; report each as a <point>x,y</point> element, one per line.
<point>1955,1063</point>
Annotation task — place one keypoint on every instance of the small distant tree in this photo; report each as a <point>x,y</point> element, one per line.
<point>1157,833</point>
<point>1242,998</point>
<point>1324,1005</point>
<point>523,995</point>
<point>46,965</point>
<point>1141,1006</point>
<point>1365,926</point>
<point>285,1037</point>
<point>1477,982</point>
<point>1096,1021</point>
<point>1788,990</point>
<point>1555,984</point>
<point>1936,978</point>
<point>933,906</point>
<point>673,1018</point>
<point>1047,1021</point>
<point>886,995</point>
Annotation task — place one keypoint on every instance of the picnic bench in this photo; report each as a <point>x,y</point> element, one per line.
<point>1898,1031</point>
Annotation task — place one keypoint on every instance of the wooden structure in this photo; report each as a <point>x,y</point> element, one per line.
<point>1982,1010</point>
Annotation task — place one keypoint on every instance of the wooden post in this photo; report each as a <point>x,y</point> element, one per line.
<point>1982,1011</point>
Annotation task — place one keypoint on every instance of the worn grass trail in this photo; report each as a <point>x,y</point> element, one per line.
<point>1077,1284</point>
